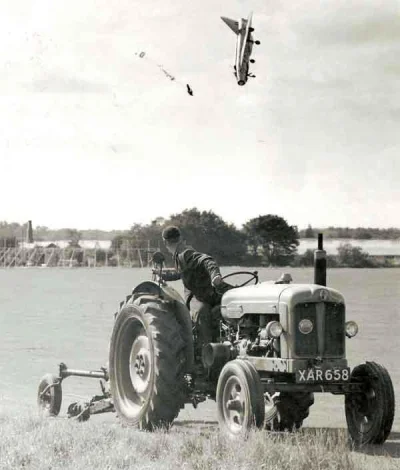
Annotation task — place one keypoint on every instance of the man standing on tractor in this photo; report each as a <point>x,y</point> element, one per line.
<point>202,281</point>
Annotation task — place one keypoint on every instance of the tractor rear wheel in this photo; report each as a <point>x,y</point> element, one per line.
<point>240,400</point>
<point>370,413</point>
<point>291,410</point>
<point>146,365</point>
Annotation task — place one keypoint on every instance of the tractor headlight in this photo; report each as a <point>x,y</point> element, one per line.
<point>351,329</point>
<point>306,326</point>
<point>274,329</point>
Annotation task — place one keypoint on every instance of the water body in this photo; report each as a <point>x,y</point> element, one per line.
<point>53,315</point>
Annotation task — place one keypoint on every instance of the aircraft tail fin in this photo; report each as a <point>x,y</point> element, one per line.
<point>234,25</point>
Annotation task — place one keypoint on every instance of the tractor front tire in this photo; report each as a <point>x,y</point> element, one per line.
<point>147,365</point>
<point>240,399</point>
<point>370,412</point>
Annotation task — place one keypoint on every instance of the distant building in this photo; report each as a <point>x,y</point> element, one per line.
<point>86,244</point>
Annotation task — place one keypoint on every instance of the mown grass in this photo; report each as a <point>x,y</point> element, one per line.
<point>30,442</point>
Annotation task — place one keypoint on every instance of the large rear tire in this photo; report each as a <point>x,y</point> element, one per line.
<point>291,410</point>
<point>240,399</point>
<point>370,413</point>
<point>147,362</point>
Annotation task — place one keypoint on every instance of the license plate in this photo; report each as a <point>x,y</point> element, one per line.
<point>316,375</point>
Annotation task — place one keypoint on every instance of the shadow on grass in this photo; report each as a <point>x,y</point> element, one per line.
<point>196,422</point>
<point>195,426</point>
<point>390,448</point>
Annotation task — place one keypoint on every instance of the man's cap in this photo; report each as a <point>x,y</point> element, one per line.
<point>171,233</point>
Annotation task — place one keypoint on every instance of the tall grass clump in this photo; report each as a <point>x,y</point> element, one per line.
<point>28,441</point>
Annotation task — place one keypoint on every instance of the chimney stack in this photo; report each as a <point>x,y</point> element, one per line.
<point>30,232</point>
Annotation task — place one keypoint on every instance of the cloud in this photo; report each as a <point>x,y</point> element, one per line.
<point>348,22</point>
<point>60,84</point>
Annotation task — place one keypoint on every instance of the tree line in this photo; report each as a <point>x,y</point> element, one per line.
<point>358,233</point>
<point>16,231</point>
<point>266,240</point>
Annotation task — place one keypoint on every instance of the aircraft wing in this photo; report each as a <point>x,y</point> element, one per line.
<point>246,36</point>
<point>234,25</point>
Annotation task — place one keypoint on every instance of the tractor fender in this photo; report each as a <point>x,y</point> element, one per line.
<point>147,287</point>
<point>148,290</point>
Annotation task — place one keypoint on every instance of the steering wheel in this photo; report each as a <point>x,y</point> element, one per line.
<point>253,277</point>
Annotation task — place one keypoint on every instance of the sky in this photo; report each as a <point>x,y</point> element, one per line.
<point>93,136</point>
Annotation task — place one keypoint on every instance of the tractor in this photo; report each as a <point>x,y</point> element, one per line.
<point>276,344</point>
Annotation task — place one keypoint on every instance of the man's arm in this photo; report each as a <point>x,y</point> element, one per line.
<point>193,259</point>
<point>171,275</point>
<point>168,274</point>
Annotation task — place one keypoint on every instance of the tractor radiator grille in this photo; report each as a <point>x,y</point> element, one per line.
<point>335,335</point>
<point>327,339</point>
<point>306,345</point>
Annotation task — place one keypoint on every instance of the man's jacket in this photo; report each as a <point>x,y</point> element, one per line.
<point>197,271</point>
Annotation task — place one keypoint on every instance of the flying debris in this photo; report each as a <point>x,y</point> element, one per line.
<point>244,47</point>
<point>171,77</point>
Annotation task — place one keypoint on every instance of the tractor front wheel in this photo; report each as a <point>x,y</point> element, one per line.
<point>240,399</point>
<point>370,411</point>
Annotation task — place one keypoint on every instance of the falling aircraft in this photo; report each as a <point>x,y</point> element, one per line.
<point>244,47</point>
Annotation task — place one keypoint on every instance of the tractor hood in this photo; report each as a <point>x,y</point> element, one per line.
<point>264,298</point>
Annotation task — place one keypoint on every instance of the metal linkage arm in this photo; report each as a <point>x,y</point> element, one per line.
<point>95,374</point>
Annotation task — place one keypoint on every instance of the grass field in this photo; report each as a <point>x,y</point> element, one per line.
<point>30,442</point>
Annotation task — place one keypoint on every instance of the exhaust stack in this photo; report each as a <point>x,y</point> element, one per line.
<point>320,263</point>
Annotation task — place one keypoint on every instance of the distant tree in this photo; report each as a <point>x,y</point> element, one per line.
<point>41,232</point>
<point>139,236</point>
<point>307,259</point>
<point>353,256</point>
<point>101,256</point>
<point>73,236</point>
<point>118,240</point>
<point>330,232</point>
<point>309,232</point>
<point>205,231</point>
<point>160,221</point>
<point>279,241</point>
<point>362,233</point>
<point>11,231</point>
<point>209,233</point>
<point>332,261</point>
<point>345,232</point>
<point>79,257</point>
<point>8,242</point>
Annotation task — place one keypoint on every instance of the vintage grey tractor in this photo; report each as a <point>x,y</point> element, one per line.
<point>275,345</point>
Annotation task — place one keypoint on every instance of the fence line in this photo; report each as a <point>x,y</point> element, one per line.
<point>75,257</point>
